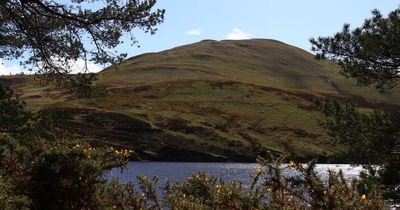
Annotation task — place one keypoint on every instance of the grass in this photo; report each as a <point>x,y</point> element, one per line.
<point>221,100</point>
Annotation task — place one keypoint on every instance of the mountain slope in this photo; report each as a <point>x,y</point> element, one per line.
<point>257,61</point>
<point>212,101</point>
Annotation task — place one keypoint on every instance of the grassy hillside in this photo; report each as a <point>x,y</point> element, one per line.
<point>211,101</point>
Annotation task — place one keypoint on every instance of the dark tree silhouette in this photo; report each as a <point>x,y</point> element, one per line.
<point>49,36</point>
<point>370,53</point>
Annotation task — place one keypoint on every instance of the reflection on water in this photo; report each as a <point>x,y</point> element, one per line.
<point>179,171</point>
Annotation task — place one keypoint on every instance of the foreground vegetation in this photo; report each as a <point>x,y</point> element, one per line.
<point>42,166</point>
<point>68,176</point>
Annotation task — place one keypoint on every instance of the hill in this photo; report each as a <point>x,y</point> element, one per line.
<point>211,101</point>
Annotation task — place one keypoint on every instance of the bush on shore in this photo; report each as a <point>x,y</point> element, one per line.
<point>71,176</point>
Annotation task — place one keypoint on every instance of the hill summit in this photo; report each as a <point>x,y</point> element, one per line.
<point>212,101</point>
<point>256,61</point>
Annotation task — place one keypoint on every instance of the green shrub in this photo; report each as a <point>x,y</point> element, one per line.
<point>302,189</point>
<point>70,175</point>
<point>56,175</point>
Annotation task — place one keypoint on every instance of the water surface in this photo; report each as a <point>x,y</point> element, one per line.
<point>179,171</point>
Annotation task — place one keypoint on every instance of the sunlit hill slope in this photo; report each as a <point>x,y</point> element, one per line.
<point>211,101</point>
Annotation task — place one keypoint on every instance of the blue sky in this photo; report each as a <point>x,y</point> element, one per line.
<point>290,21</point>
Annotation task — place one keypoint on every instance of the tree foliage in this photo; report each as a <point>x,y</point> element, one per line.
<point>372,137</point>
<point>13,117</point>
<point>370,53</point>
<point>52,35</point>
<point>42,166</point>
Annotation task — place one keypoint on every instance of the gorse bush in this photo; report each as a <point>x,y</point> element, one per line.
<point>299,188</point>
<point>43,166</point>
<point>68,178</point>
<point>55,175</point>
<point>70,175</point>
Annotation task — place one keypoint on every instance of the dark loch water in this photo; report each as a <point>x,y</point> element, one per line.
<point>179,171</point>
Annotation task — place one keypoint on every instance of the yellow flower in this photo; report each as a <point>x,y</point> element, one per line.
<point>184,195</point>
<point>114,207</point>
<point>292,163</point>
<point>269,189</point>
<point>77,146</point>
<point>144,177</point>
<point>363,197</point>
<point>259,171</point>
<point>143,196</point>
<point>218,187</point>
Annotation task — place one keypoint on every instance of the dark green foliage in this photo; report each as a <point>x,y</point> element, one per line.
<point>13,117</point>
<point>387,177</point>
<point>301,189</point>
<point>17,122</point>
<point>12,181</point>
<point>44,167</point>
<point>55,175</point>
<point>84,87</point>
<point>116,195</point>
<point>370,53</point>
<point>373,138</point>
<point>69,177</point>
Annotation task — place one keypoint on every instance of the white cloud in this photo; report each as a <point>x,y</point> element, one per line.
<point>79,67</point>
<point>195,32</point>
<point>76,67</point>
<point>13,69</point>
<point>236,34</point>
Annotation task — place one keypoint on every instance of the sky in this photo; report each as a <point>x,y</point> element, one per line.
<point>291,21</point>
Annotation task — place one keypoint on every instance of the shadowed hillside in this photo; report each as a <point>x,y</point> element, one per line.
<point>211,101</point>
